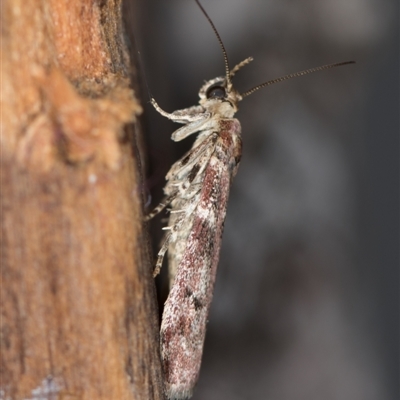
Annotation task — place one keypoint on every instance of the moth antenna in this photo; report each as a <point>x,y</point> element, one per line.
<point>227,72</point>
<point>240,65</point>
<point>143,71</point>
<point>142,68</point>
<point>295,75</point>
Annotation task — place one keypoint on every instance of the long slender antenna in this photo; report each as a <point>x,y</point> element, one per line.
<point>227,71</point>
<point>143,72</point>
<point>296,74</point>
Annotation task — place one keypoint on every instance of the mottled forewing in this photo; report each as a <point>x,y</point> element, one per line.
<point>186,309</point>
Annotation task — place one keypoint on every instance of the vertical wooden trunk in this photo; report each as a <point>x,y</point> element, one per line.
<point>78,307</point>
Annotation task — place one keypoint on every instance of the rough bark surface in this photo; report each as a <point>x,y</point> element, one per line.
<point>78,309</point>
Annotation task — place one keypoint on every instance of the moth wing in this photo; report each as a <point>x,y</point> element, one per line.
<point>186,309</point>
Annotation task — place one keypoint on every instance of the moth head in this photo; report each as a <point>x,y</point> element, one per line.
<point>217,90</point>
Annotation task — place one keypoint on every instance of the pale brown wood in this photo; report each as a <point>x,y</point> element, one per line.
<point>78,303</point>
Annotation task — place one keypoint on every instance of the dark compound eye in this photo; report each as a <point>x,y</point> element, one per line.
<point>216,92</point>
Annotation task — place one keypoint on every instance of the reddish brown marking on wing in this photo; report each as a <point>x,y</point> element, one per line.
<point>186,309</point>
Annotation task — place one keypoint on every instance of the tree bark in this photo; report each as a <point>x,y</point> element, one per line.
<point>79,315</point>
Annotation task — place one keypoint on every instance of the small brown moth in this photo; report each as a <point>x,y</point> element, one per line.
<point>197,193</point>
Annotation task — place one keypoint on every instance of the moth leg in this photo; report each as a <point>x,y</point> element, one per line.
<point>161,253</point>
<point>194,118</point>
<point>161,111</point>
<point>177,211</point>
<point>163,203</point>
<point>184,116</point>
<point>187,161</point>
<point>199,124</point>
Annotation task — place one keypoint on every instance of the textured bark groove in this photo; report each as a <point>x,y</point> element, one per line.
<point>78,309</point>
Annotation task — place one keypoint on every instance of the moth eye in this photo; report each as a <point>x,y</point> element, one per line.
<point>216,92</point>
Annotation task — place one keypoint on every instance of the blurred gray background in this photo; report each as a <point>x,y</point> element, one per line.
<point>306,300</point>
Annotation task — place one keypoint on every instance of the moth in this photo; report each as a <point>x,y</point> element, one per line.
<point>196,194</point>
